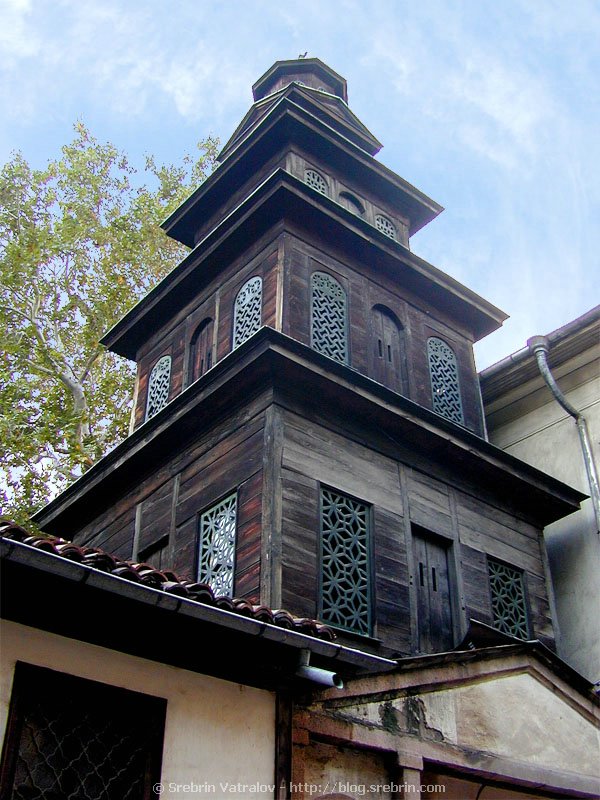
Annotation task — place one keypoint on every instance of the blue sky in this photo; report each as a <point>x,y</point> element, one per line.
<point>490,108</point>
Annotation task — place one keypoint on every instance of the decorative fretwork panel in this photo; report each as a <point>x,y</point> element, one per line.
<point>76,739</point>
<point>217,546</point>
<point>316,181</point>
<point>443,372</point>
<point>159,386</point>
<point>329,317</point>
<point>248,311</point>
<point>386,226</point>
<point>509,605</point>
<point>345,570</point>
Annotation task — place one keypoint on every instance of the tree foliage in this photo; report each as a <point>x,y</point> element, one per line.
<point>80,243</point>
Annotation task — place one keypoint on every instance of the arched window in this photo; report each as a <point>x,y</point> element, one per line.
<point>159,385</point>
<point>352,203</point>
<point>201,350</point>
<point>386,226</point>
<point>443,373</point>
<point>388,350</point>
<point>247,311</point>
<point>328,317</point>
<point>316,181</point>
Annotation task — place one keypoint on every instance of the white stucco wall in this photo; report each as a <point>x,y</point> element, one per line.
<point>217,733</point>
<point>533,427</point>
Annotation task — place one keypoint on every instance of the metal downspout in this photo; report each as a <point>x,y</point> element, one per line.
<point>539,346</point>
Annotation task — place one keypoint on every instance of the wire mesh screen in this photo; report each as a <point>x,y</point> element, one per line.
<point>75,739</point>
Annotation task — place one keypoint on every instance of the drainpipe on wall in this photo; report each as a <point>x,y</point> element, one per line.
<point>539,346</point>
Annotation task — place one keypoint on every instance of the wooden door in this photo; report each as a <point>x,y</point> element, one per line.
<point>201,350</point>
<point>387,350</point>
<point>434,603</point>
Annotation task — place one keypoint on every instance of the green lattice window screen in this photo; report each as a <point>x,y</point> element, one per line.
<point>74,738</point>
<point>216,562</point>
<point>509,603</point>
<point>443,373</point>
<point>247,311</point>
<point>329,317</point>
<point>159,386</point>
<point>386,227</point>
<point>345,580</point>
<point>316,181</point>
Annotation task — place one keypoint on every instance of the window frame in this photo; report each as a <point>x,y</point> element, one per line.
<point>235,344</point>
<point>371,576</point>
<point>151,371</point>
<point>525,592</point>
<point>223,499</point>
<point>346,325</point>
<point>434,393</point>
<point>32,683</point>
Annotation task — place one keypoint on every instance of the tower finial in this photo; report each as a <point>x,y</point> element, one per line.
<point>303,55</point>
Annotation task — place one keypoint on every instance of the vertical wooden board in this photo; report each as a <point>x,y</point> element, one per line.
<point>185,549</point>
<point>270,283</point>
<point>358,319</point>
<point>300,503</point>
<point>476,585</point>
<point>155,518</point>
<point>297,303</point>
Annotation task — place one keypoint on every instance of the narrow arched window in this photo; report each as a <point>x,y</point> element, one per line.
<point>329,323</point>
<point>201,350</point>
<point>386,226</point>
<point>352,203</point>
<point>159,385</point>
<point>388,350</point>
<point>443,373</point>
<point>316,181</point>
<point>247,311</point>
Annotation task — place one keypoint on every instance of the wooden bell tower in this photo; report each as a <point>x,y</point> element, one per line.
<point>308,426</point>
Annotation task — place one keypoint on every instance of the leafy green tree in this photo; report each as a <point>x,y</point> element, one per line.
<point>80,243</point>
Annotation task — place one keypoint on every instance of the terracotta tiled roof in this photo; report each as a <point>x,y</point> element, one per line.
<point>164,580</point>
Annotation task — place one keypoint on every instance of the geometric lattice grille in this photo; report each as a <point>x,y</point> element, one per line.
<point>443,372</point>
<point>159,384</point>
<point>316,181</point>
<point>217,546</point>
<point>509,606</point>
<point>78,746</point>
<point>345,589</point>
<point>386,226</point>
<point>328,313</point>
<point>247,311</point>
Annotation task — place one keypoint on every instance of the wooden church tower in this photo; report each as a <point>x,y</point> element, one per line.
<point>308,430</point>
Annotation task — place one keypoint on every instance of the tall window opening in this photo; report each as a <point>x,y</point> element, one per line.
<point>159,386</point>
<point>329,323</point>
<point>201,350</point>
<point>388,350</point>
<point>509,603</point>
<point>70,737</point>
<point>216,560</point>
<point>434,599</point>
<point>345,584</point>
<point>247,312</point>
<point>443,374</point>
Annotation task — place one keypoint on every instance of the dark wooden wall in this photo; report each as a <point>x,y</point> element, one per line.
<point>365,289</point>
<point>157,520</point>
<point>403,499</point>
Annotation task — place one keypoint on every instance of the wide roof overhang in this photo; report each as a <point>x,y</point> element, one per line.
<point>283,198</point>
